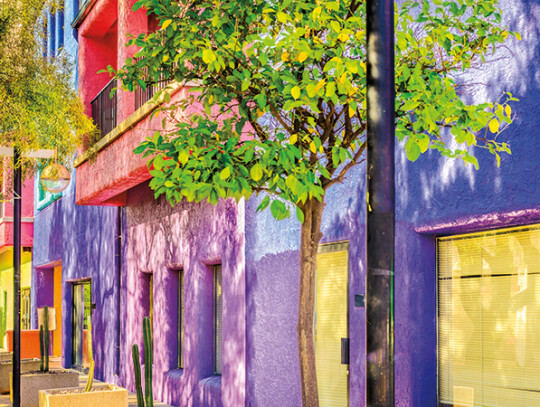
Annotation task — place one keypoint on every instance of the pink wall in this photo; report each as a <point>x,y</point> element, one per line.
<point>6,227</point>
<point>97,49</point>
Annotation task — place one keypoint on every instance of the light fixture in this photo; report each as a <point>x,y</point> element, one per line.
<point>55,178</point>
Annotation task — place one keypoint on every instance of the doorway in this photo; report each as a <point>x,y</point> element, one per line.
<point>332,325</point>
<point>82,309</point>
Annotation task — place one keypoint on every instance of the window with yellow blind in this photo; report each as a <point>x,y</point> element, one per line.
<point>332,324</point>
<point>489,318</point>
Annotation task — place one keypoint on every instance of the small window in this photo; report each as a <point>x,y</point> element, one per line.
<point>151,305</point>
<point>218,318</point>
<point>180,319</point>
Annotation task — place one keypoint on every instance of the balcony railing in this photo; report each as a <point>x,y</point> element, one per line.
<point>104,109</point>
<point>143,96</point>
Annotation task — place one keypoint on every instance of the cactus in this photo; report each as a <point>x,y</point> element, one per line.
<point>90,379</point>
<point>148,397</point>
<point>148,361</point>
<point>3,320</point>
<point>137,368</point>
<point>44,341</point>
<point>41,359</point>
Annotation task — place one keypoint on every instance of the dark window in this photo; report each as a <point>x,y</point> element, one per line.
<point>180,319</point>
<point>218,318</point>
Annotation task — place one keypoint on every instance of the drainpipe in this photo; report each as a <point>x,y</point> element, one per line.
<point>118,265</point>
<point>380,213</point>
<point>17,193</point>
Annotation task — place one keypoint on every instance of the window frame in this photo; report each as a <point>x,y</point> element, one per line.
<point>180,320</point>
<point>217,370</point>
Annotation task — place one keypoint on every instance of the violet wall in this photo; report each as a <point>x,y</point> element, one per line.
<point>434,196</point>
<point>82,241</point>
<point>189,239</point>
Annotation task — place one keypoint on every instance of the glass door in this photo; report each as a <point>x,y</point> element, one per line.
<point>82,307</point>
<point>25,308</point>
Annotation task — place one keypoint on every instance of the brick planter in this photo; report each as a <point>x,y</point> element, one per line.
<point>33,382</point>
<point>100,395</point>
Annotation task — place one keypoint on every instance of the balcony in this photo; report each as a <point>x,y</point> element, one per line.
<point>104,109</point>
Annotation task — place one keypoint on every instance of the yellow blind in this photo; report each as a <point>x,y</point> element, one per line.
<point>489,318</point>
<point>331,326</point>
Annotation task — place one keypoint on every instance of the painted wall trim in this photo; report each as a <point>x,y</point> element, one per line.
<point>83,12</point>
<point>480,222</point>
<point>141,113</point>
<point>9,219</point>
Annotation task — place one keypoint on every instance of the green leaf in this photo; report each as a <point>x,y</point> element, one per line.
<point>225,173</point>
<point>183,157</point>
<point>412,149</point>
<point>494,125</point>
<point>264,204</point>
<point>300,214</point>
<point>279,210</point>
<point>295,92</point>
<point>208,56</point>
<point>256,172</point>
<point>165,24</point>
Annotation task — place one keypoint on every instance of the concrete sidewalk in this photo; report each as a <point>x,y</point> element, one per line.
<point>55,364</point>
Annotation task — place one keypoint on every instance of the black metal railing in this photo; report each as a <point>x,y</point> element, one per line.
<point>104,109</point>
<point>143,96</point>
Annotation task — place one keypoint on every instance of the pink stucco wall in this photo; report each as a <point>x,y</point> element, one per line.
<point>27,210</point>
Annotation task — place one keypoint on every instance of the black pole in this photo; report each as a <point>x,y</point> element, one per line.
<point>17,279</point>
<point>380,213</point>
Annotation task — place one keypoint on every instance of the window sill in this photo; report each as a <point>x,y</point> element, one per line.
<point>174,374</point>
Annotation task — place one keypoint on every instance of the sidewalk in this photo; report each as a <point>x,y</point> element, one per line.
<point>55,364</point>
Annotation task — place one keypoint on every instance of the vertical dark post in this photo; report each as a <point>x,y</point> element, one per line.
<point>380,213</point>
<point>17,279</point>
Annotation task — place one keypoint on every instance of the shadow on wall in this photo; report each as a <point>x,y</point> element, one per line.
<point>435,189</point>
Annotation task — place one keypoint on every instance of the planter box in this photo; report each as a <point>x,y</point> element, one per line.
<point>7,367</point>
<point>100,395</point>
<point>33,382</point>
<point>6,356</point>
<point>29,343</point>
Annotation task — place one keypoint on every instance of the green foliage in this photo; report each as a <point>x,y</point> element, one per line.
<point>148,398</point>
<point>38,106</point>
<point>44,337</point>
<point>283,91</point>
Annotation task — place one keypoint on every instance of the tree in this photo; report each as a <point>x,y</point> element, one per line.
<point>283,84</point>
<point>39,108</point>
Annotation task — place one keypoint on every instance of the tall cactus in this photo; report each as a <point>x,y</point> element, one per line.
<point>137,368</point>
<point>3,321</point>
<point>44,341</point>
<point>148,359</point>
<point>148,397</point>
<point>90,379</point>
<point>41,350</point>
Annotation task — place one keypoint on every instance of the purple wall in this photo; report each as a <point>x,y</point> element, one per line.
<point>189,238</point>
<point>434,196</point>
<point>81,240</point>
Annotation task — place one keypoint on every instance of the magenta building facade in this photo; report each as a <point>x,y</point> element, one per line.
<point>145,258</point>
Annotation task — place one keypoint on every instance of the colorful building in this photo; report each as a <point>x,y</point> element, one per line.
<point>6,252</point>
<point>220,283</point>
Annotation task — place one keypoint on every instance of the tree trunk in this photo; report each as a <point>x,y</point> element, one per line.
<point>309,244</point>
